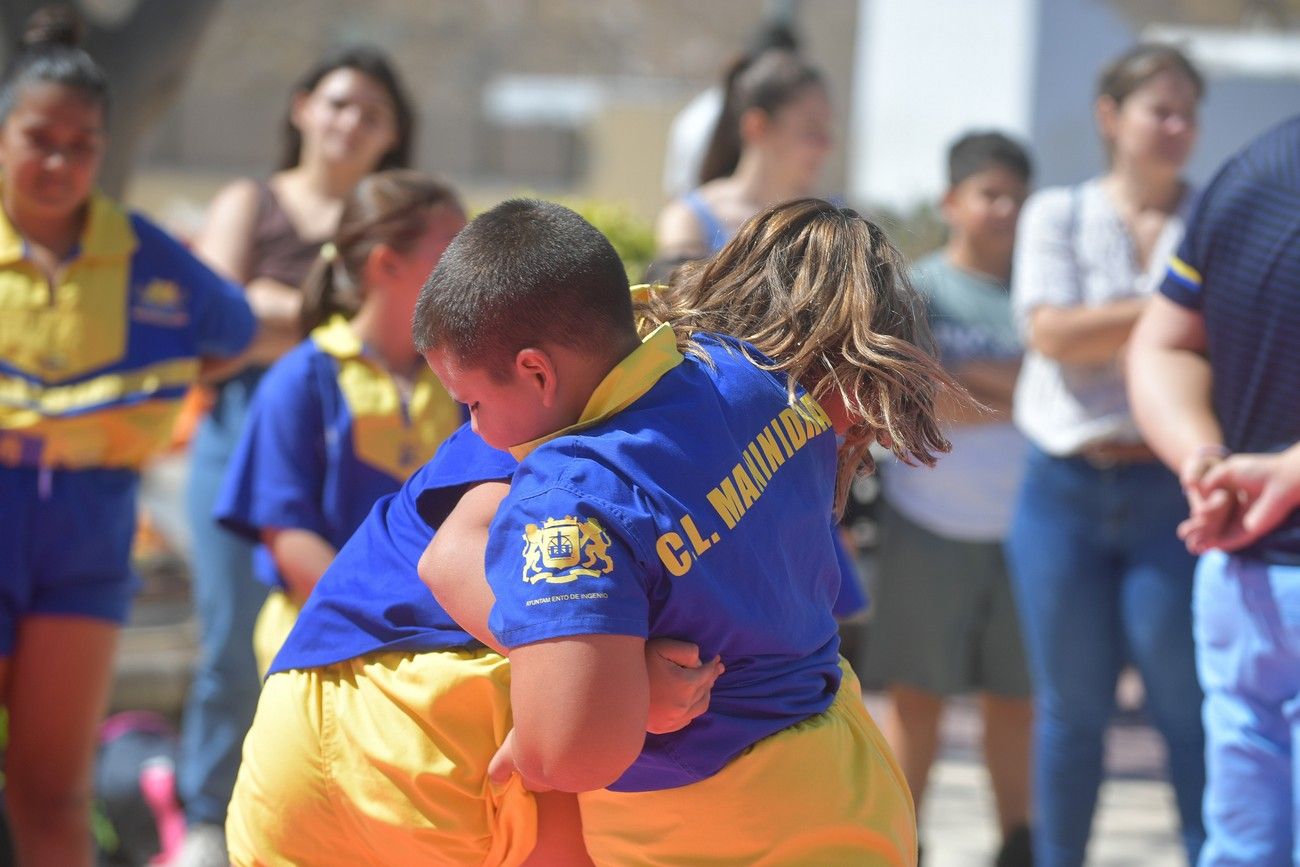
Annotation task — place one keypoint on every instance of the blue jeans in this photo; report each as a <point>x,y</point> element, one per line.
<point>1101,579</point>
<point>1248,651</point>
<point>227,598</point>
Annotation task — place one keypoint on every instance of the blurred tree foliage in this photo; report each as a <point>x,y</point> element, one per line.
<point>633,238</point>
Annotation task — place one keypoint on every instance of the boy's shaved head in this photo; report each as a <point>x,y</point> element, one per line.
<point>526,273</point>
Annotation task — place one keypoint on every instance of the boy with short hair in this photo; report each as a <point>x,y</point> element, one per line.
<point>945,619</point>
<point>685,495</point>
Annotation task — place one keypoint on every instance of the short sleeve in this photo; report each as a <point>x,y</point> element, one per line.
<point>560,564</point>
<point>1046,270</point>
<point>222,322</point>
<point>1181,282</point>
<point>276,475</point>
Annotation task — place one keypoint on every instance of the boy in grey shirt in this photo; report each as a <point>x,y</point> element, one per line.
<point>945,615</point>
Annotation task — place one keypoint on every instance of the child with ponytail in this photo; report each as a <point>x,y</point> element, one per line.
<point>345,417</point>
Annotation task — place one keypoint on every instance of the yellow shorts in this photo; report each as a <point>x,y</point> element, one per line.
<point>274,623</point>
<point>824,793</point>
<point>381,760</point>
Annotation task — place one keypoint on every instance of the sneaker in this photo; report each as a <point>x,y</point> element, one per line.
<point>204,846</point>
<point>1017,849</point>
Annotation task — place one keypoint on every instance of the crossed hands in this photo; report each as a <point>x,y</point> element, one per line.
<point>680,687</point>
<point>1237,499</point>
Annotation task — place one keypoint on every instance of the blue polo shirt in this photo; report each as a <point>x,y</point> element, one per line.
<point>1239,265</point>
<point>328,433</point>
<point>94,367</point>
<point>371,599</point>
<point>692,502</point>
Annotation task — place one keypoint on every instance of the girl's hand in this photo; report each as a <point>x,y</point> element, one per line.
<point>680,684</point>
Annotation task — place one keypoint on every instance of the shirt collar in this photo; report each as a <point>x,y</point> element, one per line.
<point>107,234</point>
<point>337,338</point>
<point>630,379</point>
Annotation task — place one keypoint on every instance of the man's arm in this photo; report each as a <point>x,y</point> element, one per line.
<point>1169,386</point>
<point>1170,390</point>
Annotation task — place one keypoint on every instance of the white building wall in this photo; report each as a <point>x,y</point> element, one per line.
<point>927,71</point>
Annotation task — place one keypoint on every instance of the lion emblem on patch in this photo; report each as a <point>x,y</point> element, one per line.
<point>565,549</point>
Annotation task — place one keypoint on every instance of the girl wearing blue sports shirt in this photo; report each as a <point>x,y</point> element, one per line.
<point>104,322</point>
<point>344,418</point>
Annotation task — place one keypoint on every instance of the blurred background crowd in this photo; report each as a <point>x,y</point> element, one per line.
<point>667,124</point>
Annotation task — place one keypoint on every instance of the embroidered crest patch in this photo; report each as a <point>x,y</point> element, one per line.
<point>565,549</point>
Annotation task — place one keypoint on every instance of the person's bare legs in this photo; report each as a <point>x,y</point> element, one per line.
<point>559,833</point>
<point>58,683</point>
<point>1008,729</point>
<point>912,730</point>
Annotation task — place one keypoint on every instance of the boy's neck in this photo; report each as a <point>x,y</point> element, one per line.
<point>960,251</point>
<point>589,372</point>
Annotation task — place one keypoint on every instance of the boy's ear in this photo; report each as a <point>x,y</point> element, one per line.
<point>538,369</point>
<point>948,204</point>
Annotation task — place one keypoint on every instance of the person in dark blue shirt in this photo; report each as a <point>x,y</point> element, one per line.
<point>1214,374</point>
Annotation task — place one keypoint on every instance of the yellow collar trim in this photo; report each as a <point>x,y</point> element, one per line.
<point>107,235</point>
<point>630,379</point>
<point>336,337</point>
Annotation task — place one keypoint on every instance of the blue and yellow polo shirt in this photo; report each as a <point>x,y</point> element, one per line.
<point>692,501</point>
<point>328,433</point>
<point>371,599</point>
<point>93,368</point>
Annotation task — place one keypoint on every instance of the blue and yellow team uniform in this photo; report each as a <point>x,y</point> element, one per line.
<point>379,717</point>
<point>92,373</point>
<point>692,502</point>
<point>328,433</point>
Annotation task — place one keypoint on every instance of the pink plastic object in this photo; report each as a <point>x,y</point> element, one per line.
<point>158,785</point>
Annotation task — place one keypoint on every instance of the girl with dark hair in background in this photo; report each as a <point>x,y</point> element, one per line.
<point>104,320</point>
<point>344,418</point>
<point>1100,576</point>
<point>769,146</point>
<point>349,116</point>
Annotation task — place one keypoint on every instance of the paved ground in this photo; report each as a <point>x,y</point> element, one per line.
<point>1135,825</point>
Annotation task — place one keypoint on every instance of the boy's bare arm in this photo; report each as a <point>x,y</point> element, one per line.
<point>452,566</point>
<point>581,707</point>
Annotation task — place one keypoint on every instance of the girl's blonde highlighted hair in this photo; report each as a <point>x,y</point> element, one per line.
<point>821,292</point>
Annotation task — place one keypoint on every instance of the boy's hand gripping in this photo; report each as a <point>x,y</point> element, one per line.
<point>680,684</point>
